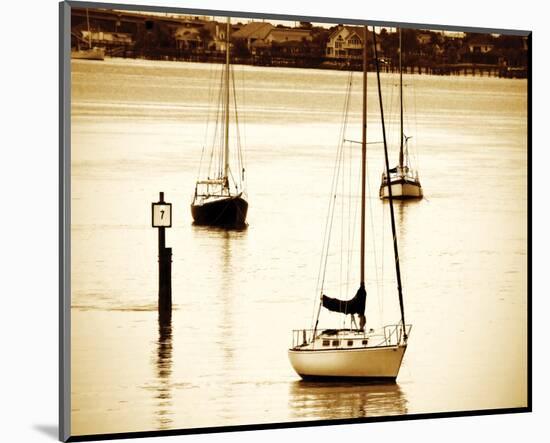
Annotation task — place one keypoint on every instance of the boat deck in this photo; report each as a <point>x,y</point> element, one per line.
<point>338,339</point>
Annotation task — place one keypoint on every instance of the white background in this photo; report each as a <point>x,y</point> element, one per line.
<point>29,239</point>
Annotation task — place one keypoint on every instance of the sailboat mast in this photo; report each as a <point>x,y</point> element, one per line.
<point>364,157</point>
<point>392,215</point>
<point>400,101</point>
<point>89,31</point>
<point>226,142</point>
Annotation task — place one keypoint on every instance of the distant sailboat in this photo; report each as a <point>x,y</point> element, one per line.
<point>219,199</point>
<point>353,352</point>
<point>91,53</point>
<point>404,180</point>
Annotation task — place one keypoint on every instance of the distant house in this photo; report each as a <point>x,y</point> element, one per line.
<point>188,37</point>
<point>288,41</point>
<point>262,38</point>
<point>103,37</point>
<point>480,45</point>
<point>345,42</point>
<point>252,32</point>
<point>199,34</point>
<point>284,35</point>
<point>288,48</point>
<point>260,47</point>
<point>217,37</point>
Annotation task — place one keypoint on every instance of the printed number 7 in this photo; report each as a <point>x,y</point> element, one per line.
<point>161,214</point>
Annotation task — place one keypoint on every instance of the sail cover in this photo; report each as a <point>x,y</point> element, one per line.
<point>354,306</point>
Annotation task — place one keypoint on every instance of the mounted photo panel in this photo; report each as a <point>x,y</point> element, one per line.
<point>350,238</point>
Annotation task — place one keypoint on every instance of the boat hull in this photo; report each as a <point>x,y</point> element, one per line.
<point>401,189</point>
<point>374,363</point>
<point>89,54</point>
<point>227,212</point>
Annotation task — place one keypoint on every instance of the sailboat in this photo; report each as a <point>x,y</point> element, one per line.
<point>219,199</point>
<point>91,53</point>
<point>355,352</point>
<point>404,179</point>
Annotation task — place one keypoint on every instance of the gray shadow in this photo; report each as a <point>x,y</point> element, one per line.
<point>51,431</point>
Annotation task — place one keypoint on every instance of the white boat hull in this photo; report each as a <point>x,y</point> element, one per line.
<point>364,363</point>
<point>402,190</point>
<point>89,54</point>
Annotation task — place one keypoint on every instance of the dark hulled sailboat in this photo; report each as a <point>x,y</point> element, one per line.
<point>220,199</point>
<point>226,211</point>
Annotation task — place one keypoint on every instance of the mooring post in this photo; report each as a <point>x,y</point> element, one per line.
<point>165,281</point>
<point>162,219</point>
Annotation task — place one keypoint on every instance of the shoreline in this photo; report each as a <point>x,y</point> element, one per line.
<point>457,70</point>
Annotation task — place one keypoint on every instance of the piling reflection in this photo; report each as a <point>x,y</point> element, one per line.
<point>335,400</point>
<point>163,396</point>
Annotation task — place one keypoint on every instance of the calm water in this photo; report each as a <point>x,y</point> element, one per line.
<point>138,127</point>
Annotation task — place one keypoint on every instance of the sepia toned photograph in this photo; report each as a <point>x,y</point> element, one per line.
<point>276,221</point>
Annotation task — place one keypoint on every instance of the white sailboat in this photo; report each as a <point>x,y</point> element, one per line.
<point>355,352</point>
<point>404,180</point>
<point>220,199</point>
<point>91,53</point>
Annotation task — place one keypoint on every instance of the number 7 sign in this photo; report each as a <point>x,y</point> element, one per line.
<point>162,215</point>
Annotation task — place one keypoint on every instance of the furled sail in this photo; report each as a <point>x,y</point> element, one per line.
<point>354,306</point>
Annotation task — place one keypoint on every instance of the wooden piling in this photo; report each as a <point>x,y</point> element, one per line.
<point>165,283</point>
<point>165,268</point>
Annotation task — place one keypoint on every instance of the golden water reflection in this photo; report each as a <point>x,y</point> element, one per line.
<point>322,400</point>
<point>237,296</point>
